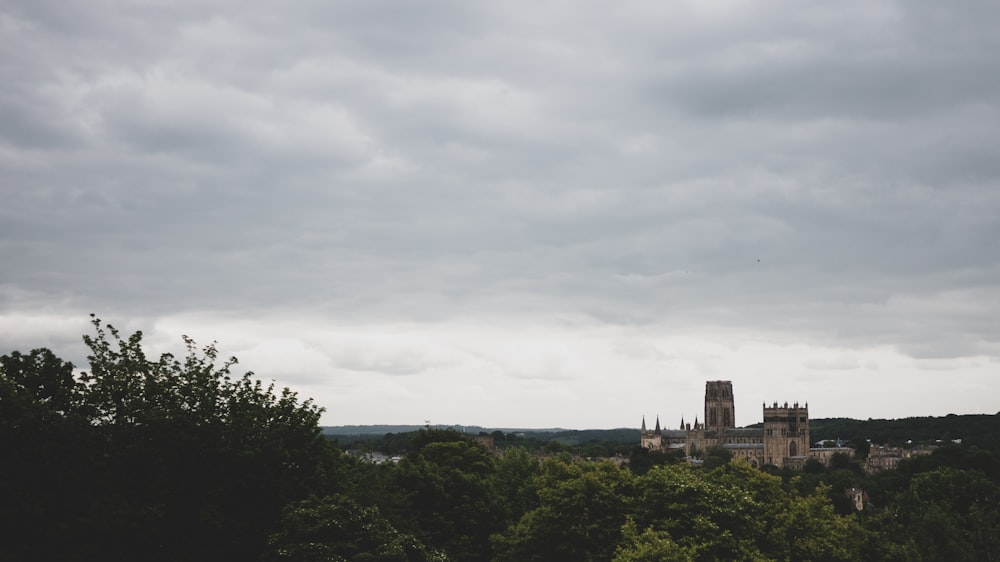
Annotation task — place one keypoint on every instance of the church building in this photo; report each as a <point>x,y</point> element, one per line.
<point>782,442</point>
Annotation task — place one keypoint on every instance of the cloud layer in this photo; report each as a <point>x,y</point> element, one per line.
<point>523,214</point>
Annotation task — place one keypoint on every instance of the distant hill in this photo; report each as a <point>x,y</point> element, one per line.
<point>349,433</point>
<point>982,430</point>
<point>355,430</point>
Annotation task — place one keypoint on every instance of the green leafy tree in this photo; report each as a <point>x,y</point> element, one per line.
<point>950,514</point>
<point>38,384</point>
<point>737,512</point>
<point>641,459</point>
<point>716,457</point>
<point>814,466</point>
<point>582,507</point>
<point>199,463</point>
<point>49,454</point>
<point>152,459</point>
<point>861,447</point>
<point>882,540</point>
<point>649,546</point>
<point>450,502</point>
<point>813,531</point>
<point>708,518</point>
<point>336,528</point>
<point>515,479</point>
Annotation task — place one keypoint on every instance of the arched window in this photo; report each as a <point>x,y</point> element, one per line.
<point>793,449</point>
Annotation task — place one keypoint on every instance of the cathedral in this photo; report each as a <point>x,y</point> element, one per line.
<point>782,442</point>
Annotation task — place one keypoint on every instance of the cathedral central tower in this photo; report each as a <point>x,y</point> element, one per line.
<point>720,412</point>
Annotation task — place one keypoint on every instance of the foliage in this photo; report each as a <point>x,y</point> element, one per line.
<point>716,457</point>
<point>812,531</point>
<point>979,430</point>
<point>450,503</point>
<point>49,456</point>
<point>950,514</point>
<point>642,459</point>
<point>516,482</point>
<point>168,459</point>
<point>706,517</point>
<point>649,546</point>
<point>582,507</point>
<point>588,443</point>
<point>336,528</point>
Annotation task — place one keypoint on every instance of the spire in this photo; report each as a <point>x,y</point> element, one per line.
<point>644,424</point>
<point>696,422</point>
<point>682,422</point>
<point>657,424</point>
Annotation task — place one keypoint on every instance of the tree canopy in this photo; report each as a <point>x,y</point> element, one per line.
<point>154,459</point>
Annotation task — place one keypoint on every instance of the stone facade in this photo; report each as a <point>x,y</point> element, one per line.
<point>887,458</point>
<point>782,442</point>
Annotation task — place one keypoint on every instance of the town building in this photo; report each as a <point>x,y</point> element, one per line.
<point>783,441</point>
<point>882,457</point>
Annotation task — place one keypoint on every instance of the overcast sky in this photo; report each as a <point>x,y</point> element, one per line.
<point>516,214</point>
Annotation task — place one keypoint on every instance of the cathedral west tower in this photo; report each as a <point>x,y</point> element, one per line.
<point>720,411</point>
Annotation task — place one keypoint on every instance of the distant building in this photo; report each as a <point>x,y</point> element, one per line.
<point>858,498</point>
<point>886,458</point>
<point>782,442</point>
<point>374,457</point>
<point>487,441</point>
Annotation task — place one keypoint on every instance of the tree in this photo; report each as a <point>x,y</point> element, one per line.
<point>842,461</point>
<point>813,531</point>
<point>737,512</point>
<point>39,381</point>
<point>153,459</point>
<point>49,450</point>
<point>861,447</point>
<point>582,507</point>
<point>641,459</point>
<point>336,528</point>
<point>515,478</point>
<point>814,466</point>
<point>716,457</point>
<point>949,514</point>
<point>499,438</point>
<point>649,546</point>
<point>450,502</point>
<point>198,463</point>
<point>709,514</point>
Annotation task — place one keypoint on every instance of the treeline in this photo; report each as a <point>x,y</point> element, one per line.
<point>625,435</point>
<point>173,459</point>
<point>977,430</point>
<point>600,443</point>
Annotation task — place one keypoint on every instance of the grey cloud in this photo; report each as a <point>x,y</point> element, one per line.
<point>445,160</point>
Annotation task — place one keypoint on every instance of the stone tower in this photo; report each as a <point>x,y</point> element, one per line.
<point>786,434</point>
<point>720,412</point>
